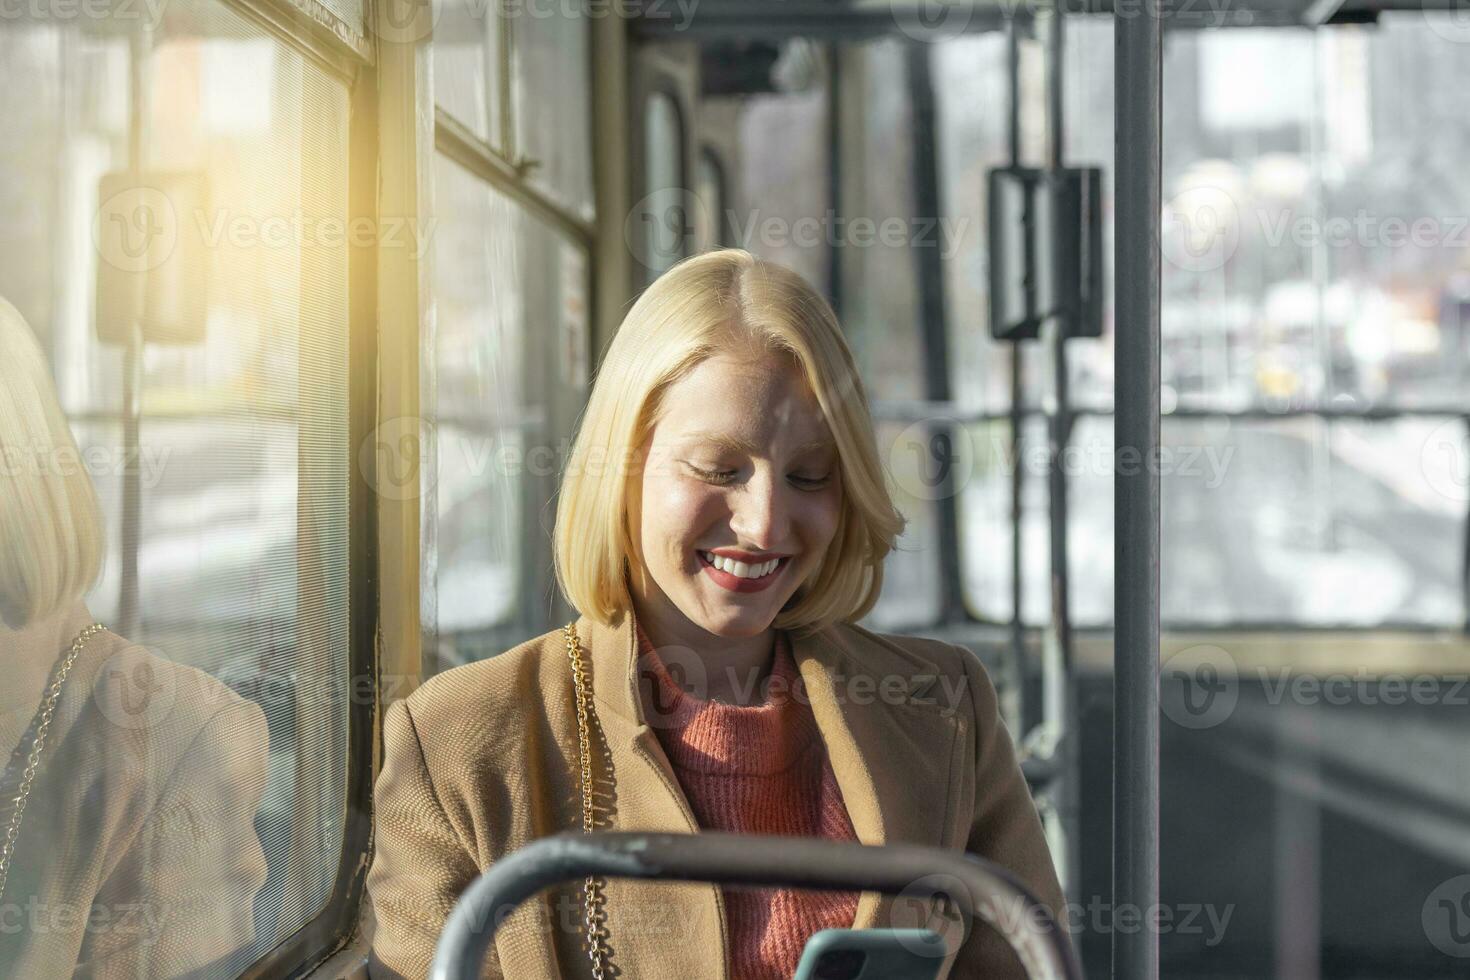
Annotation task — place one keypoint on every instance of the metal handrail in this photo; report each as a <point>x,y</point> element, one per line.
<point>977,887</point>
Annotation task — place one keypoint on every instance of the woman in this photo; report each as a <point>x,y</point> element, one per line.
<point>722,523</point>
<point>131,783</point>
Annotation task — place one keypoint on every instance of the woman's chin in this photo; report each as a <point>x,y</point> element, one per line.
<point>737,623</point>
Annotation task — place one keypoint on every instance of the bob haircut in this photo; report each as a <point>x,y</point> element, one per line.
<point>50,520</point>
<point>720,302</point>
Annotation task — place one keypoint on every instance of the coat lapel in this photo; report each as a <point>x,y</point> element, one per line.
<point>893,754</point>
<point>683,929</point>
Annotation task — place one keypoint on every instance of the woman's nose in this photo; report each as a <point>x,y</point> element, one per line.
<point>759,513</point>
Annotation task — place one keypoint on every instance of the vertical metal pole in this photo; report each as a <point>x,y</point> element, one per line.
<point>834,170</point>
<point>1138,96</point>
<point>1297,851</point>
<point>1018,417</point>
<point>933,327</point>
<point>1056,147</point>
<point>1059,672</point>
<point>1058,680</point>
<point>1465,548</point>
<point>1013,73</point>
<point>129,616</point>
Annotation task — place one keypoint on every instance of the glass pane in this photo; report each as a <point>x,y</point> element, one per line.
<point>1312,245</point>
<point>1359,523</point>
<point>479,362</point>
<point>193,324</point>
<point>662,211</point>
<point>911,587</point>
<point>972,98</point>
<point>710,191</point>
<point>467,57</point>
<point>1392,170</point>
<point>985,518</point>
<point>510,357</point>
<point>880,299</point>
<point>786,181</point>
<point>553,97</point>
<point>1265,522</point>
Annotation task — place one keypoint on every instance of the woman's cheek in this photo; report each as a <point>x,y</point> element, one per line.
<point>826,513</point>
<point>682,506</point>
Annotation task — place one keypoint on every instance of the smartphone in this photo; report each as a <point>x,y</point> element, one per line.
<point>872,954</point>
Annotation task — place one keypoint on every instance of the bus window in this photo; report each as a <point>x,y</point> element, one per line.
<point>176,207</point>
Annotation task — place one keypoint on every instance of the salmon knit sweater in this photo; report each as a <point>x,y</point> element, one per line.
<point>761,769</point>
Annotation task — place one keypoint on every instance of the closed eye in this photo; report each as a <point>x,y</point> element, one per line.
<point>722,477</point>
<point>716,477</point>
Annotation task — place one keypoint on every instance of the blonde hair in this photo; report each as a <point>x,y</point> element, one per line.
<point>50,520</point>
<point>723,301</point>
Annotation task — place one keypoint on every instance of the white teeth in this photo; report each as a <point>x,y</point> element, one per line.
<point>740,568</point>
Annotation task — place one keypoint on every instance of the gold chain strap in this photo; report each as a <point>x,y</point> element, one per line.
<point>593,898</point>
<point>33,759</point>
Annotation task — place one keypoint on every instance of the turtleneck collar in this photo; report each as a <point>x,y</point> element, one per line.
<point>712,736</point>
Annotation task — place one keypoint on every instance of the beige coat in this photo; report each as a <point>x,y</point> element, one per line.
<point>137,854</point>
<point>482,760</point>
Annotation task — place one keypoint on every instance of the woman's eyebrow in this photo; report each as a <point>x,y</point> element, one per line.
<point>736,444</point>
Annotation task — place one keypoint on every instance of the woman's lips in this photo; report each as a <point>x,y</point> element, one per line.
<point>734,583</point>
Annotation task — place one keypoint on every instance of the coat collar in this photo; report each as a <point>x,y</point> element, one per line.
<point>893,757</point>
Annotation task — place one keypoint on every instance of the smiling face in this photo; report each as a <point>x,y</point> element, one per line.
<point>738,498</point>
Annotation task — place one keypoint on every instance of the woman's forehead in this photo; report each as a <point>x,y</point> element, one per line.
<point>738,442</point>
<point>744,405</point>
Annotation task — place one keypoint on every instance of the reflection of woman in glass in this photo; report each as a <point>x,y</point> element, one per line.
<point>722,524</point>
<point>129,794</point>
